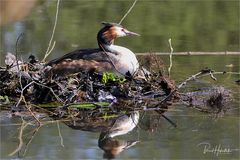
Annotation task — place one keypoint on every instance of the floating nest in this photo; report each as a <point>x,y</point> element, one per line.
<point>89,95</point>
<point>84,93</point>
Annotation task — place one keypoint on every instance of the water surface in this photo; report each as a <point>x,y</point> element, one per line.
<point>158,139</point>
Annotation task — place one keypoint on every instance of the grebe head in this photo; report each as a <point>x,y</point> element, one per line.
<point>118,30</point>
<point>111,31</point>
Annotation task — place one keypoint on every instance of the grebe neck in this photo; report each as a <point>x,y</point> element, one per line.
<point>105,40</point>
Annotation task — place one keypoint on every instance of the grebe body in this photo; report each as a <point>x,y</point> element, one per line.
<point>107,58</point>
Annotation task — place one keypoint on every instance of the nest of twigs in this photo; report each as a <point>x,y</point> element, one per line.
<point>89,94</point>
<point>25,82</point>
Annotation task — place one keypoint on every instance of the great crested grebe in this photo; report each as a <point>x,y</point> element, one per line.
<point>122,125</point>
<point>107,58</point>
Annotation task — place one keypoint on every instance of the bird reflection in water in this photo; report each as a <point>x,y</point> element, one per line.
<point>122,125</point>
<point>109,129</point>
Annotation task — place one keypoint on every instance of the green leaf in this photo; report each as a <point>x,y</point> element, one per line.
<point>5,99</point>
<point>111,77</point>
<point>89,105</point>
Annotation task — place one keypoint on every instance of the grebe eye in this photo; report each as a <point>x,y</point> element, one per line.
<point>122,30</point>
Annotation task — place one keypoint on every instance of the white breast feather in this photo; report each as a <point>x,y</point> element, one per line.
<point>127,59</point>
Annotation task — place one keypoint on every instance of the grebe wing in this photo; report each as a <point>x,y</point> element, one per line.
<point>85,54</point>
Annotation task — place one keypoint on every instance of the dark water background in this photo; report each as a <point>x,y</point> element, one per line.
<point>211,25</point>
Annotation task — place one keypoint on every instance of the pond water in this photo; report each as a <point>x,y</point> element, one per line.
<point>192,25</point>
<point>158,138</point>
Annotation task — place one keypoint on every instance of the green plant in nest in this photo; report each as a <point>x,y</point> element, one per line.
<point>111,77</point>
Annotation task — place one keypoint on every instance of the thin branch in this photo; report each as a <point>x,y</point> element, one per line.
<point>128,11</point>
<point>29,109</point>
<point>16,50</point>
<point>56,96</point>
<point>23,98</point>
<point>221,73</point>
<point>204,73</point>
<point>193,53</point>
<point>192,77</point>
<point>29,84</point>
<point>50,46</point>
<point>170,57</point>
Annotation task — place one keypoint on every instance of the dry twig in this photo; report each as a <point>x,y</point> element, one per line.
<point>50,45</point>
<point>204,73</point>
<point>128,11</point>
<point>170,56</point>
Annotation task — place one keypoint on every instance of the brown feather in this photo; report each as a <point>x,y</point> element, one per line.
<point>73,66</point>
<point>110,34</point>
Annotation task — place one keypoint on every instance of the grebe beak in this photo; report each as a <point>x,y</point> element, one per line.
<point>128,33</point>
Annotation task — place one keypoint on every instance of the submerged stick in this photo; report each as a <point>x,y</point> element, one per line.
<point>23,126</point>
<point>29,142</point>
<point>59,133</point>
<point>169,120</point>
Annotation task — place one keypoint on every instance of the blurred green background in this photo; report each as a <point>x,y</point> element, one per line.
<point>193,25</point>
